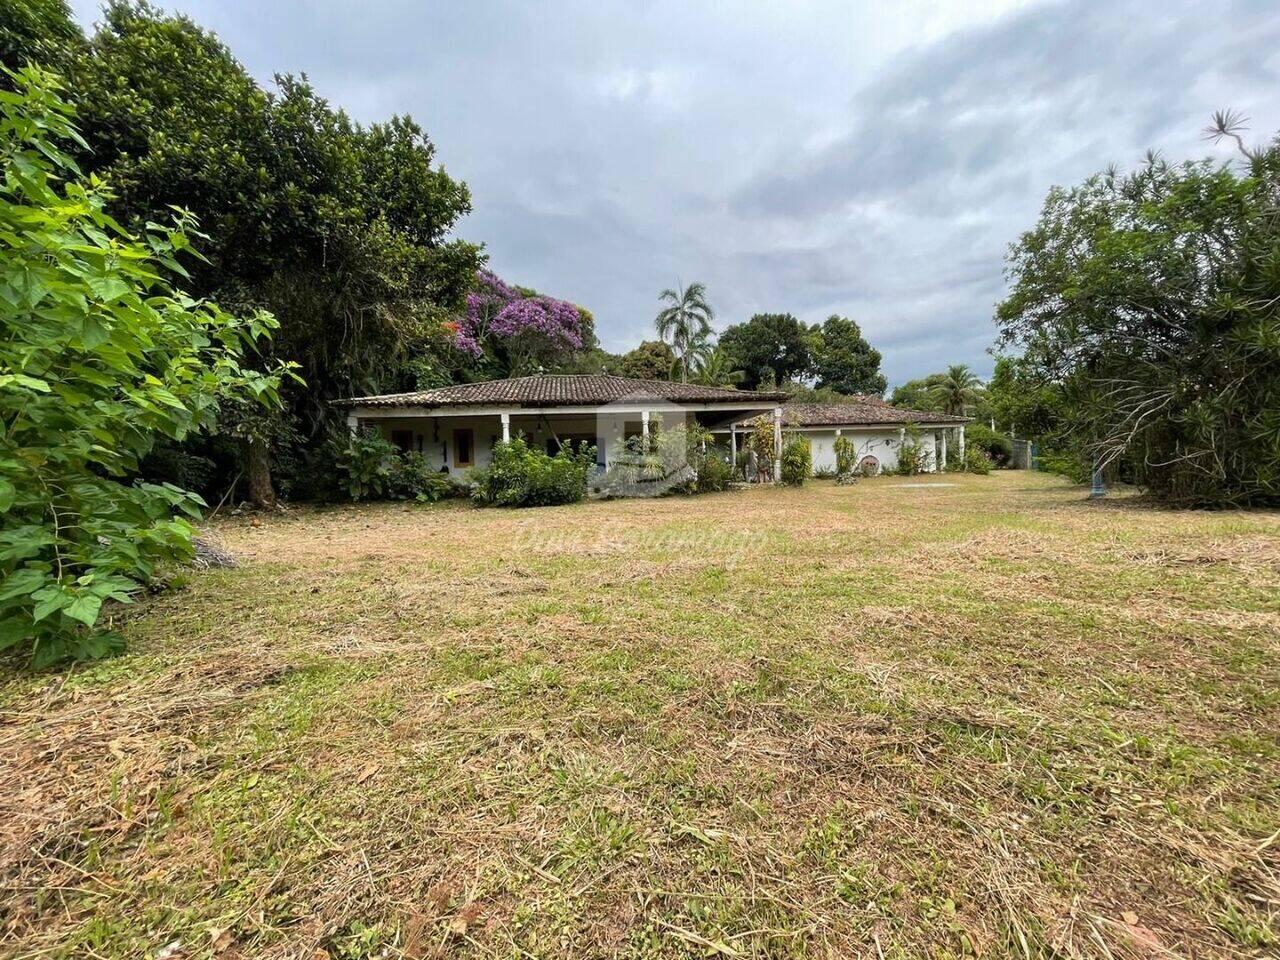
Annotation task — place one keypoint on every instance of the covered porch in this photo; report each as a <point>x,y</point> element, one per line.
<point>456,430</point>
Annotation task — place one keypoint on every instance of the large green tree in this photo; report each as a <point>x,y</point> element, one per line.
<point>1153,299</point>
<point>1023,403</point>
<point>342,231</point>
<point>843,360</point>
<point>770,348</point>
<point>36,31</point>
<point>652,360</point>
<point>685,320</point>
<point>99,357</point>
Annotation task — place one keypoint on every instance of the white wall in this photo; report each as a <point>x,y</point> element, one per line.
<point>881,443</point>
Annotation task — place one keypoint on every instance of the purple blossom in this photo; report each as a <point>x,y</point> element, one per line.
<point>556,320</point>
<point>496,309</point>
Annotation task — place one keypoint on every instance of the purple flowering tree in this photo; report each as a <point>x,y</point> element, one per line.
<point>517,329</point>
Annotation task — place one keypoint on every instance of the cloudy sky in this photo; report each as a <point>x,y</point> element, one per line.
<point>863,158</point>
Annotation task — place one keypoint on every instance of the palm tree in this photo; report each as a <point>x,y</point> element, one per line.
<point>687,321</point>
<point>716,369</point>
<point>954,390</point>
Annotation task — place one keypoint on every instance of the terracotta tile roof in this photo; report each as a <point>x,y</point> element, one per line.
<point>557,390</point>
<point>867,410</point>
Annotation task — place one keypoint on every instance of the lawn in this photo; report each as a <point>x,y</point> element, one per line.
<point>893,720</point>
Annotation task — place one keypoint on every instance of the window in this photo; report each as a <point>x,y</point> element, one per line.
<point>402,439</point>
<point>463,444</point>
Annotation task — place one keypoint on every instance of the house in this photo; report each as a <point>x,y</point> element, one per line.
<point>876,428</point>
<point>456,427</point>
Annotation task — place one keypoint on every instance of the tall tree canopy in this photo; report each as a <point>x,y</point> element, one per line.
<point>1153,298</point>
<point>769,348</point>
<point>686,322</point>
<point>843,360</point>
<point>956,390</point>
<point>341,231</point>
<point>652,360</point>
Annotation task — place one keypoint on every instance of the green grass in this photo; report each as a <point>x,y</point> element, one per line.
<point>988,719</point>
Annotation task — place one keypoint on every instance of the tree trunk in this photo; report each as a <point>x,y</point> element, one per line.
<point>258,468</point>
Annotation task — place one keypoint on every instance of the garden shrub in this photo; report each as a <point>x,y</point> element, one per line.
<point>976,461</point>
<point>846,456</point>
<point>375,469</point>
<point>523,476</point>
<point>797,461</point>
<point>913,458</point>
<point>713,472</point>
<point>667,461</point>
<point>997,446</point>
<point>412,478</point>
<point>366,462</point>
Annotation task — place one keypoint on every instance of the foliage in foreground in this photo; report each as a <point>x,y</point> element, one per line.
<point>1153,300</point>
<point>99,356</point>
<point>523,476</point>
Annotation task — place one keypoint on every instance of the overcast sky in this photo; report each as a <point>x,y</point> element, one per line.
<point>864,158</point>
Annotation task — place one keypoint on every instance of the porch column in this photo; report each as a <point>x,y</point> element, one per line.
<point>353,424</point>
<point>960,442</point>
<point>506,427</point>
<point>942,462</point>
<point>644,426</point>
<point>777,444</point>
<point>733,446</point>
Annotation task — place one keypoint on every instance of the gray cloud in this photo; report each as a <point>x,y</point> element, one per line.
<point>867,159</point>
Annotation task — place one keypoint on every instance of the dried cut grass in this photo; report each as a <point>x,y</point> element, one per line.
<point>840,721</point>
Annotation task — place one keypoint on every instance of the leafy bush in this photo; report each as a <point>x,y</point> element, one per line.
<point>523,476</point>
<point>797,462</point>
<point>366,462</point>
<point>913,458</point>
<point>412,478</point>
<point>99,358</point>
<point>997,446</point>
<point>713,472</point>
<point>846,456</point>
<point>375,469</point>
<point>976,461</point>
<point>1066,463</point>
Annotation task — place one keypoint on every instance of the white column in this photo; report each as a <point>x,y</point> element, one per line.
<point>942,462</point>
<point>733,446</point>
<point>353,424</point>
<point>506,427</point>
<point>644,425</point>
<point>777,444</point>
<point>960,443</point>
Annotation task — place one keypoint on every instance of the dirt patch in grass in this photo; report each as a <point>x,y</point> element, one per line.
<point>989,719</point>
